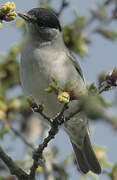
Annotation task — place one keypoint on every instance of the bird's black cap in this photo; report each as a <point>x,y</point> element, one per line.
<point>45,18</point>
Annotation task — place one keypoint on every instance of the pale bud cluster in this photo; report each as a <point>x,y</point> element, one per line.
<point>7,12</point>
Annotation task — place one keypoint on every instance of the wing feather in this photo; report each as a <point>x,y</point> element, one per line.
<point>74,62</point>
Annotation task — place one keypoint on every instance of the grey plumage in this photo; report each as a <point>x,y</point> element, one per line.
<point>45,55</point>
<point>86,158</point>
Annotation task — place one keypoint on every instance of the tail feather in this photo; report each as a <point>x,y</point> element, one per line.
<point>91,157</point>
<point>86,157</point>
<point>81,159</point>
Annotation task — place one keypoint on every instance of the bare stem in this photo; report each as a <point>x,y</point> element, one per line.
<point>37,156</point>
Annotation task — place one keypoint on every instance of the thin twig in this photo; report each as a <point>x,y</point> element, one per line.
<point>64,4</point>
<point>109,82</point>
<point>17,133</point>
<point>39,109</point>
<point>103,88</point>
<point>37,156</point>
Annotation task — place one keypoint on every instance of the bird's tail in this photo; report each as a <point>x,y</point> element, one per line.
<point>86,158</point>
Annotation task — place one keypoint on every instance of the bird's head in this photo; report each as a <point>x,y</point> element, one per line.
<point>41,22</point>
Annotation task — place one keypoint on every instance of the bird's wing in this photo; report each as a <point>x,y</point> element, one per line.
<point>75,63</point>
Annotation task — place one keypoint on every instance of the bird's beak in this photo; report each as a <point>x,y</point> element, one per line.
<point>25,17</point>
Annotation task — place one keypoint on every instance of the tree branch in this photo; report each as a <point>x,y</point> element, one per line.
<point>12,166</point>
<point>37,156</point>
<point>109,82</point>
<point>64,4</point>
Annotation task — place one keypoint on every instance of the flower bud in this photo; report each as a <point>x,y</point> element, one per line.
<point>8,7</point>
<point>114,74</point>
<point>10,16</point>
<point>64,97</point>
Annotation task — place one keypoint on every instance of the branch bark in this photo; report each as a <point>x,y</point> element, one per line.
<point>37,156</point>
<point>12,166</point>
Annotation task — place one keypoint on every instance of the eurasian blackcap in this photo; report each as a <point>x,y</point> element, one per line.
<point>45,55</point>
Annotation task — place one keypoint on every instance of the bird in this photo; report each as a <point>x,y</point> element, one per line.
<point>44,55</point>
